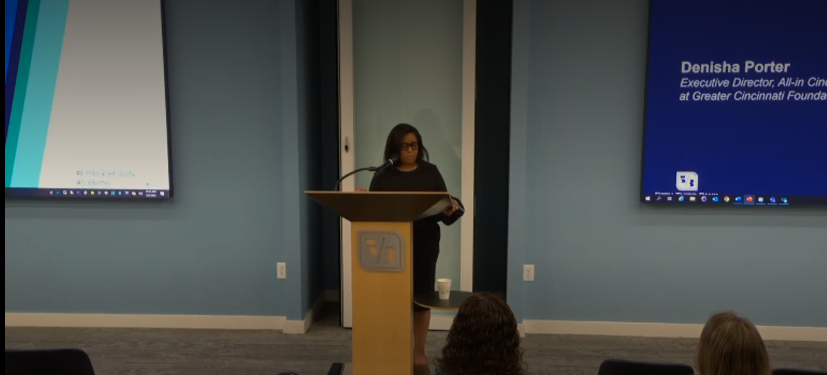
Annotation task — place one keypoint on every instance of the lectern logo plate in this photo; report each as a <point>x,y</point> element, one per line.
<point>381,251</point>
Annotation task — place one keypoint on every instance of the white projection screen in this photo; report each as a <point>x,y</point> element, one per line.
<point>86,100</point>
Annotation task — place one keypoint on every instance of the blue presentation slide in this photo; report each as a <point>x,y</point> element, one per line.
<point>15,20</point>
<point>11,13</point>
<point>736,103</point>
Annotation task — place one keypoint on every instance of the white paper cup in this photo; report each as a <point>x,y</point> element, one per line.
<point>444,289</point>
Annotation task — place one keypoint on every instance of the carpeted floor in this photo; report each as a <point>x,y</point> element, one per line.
<point>168,352</point>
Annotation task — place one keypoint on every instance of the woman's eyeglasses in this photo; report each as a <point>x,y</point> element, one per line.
<point>410,146</point>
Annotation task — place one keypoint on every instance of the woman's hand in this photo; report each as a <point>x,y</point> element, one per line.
<point>454,208</point>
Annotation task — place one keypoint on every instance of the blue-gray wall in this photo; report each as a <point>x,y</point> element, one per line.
<point>242,122</point>
<point>578,85</point>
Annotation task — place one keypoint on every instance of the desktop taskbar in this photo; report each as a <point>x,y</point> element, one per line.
<point>129,194</point>
<point>750,200</point>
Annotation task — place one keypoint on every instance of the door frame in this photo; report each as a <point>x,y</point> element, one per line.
<point>347,151</point>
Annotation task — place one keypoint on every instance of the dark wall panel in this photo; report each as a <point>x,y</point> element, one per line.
<point>494,30</point>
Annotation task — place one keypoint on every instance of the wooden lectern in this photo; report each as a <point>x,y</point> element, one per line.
<point>382,271</point>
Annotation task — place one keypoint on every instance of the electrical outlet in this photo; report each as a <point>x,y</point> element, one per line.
<point>528,272</point>
<point>282,270</point>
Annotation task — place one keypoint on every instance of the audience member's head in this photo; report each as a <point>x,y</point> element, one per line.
<point>483,340</point>
<point>731,345</point>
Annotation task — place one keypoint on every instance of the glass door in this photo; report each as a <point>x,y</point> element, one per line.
<point>411,62</point>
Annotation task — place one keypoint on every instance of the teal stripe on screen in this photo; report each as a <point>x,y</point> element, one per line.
<point>37,106</point>
<point>20,90</point>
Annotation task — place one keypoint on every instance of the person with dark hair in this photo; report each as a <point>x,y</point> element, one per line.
<point>484,339</point>
<point>731,345</point>
<point>413,172</point>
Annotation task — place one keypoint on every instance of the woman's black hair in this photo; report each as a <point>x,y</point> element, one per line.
<point>393,146</point>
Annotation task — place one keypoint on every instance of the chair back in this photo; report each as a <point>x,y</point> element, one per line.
<point>342,369</point>
<point>619,367</point>
<point>796,372</point>
<point>37,362</point>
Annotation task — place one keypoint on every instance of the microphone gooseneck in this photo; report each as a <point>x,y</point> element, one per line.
<point>339,183</point>
<point>375,170</point>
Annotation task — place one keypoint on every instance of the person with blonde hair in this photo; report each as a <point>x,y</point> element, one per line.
<point>731,345</point>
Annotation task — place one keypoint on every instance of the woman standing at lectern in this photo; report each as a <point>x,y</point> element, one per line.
<point>413,172</point>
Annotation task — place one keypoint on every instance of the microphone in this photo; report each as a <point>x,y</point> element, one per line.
<point>375,170</point>
<point>387,164</point>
